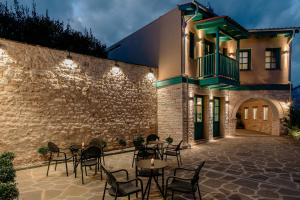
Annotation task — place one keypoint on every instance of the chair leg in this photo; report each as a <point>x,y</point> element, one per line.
<point>48,166</point>
<point>66,162</point>
<point>81,174</point>
<point>177,161</point>
<point>199,192</point>
<point>103,160</point>
<point>55,166</point>
<point>129,197</point>
<point>166,157</point>
<point>104,190</point>
<point>194,196</point>
<point>172,195</point>
<point>85,170</point>
<point>133,160</point>
<point>180,159</point>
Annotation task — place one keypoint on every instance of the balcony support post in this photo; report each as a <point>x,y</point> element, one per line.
<point>217,63</point>
<point>238,57</point>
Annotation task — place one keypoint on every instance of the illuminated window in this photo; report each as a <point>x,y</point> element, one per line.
<point>272,58</point>
<point>265,112</point>
<point>245,59</point>
<point>255,113</point>
<point>246,113</point>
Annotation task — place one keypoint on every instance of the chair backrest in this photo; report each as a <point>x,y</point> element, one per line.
<point>74,148</point>
<point>111,180</point>
<point>195,178</point>
<point>178,145</point>
<point>95,142</point>
<point>152,137</point>
<point>91,152</point>
<point>52,148</point>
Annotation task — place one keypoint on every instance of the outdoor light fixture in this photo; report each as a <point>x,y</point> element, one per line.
<point>69,63</point>
<point>115,70</point>
<point>285,52</point>
<point>231,54</point>
<point>150,76</point>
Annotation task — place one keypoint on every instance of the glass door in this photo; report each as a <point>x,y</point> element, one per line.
<point>216,117</point>
<point>199,117</point>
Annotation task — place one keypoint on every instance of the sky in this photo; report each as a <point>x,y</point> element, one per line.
<point>112,20</point>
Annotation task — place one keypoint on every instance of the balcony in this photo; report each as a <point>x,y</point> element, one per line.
<point>218,71</point>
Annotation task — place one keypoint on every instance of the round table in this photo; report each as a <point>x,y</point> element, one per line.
<point>158,164</point>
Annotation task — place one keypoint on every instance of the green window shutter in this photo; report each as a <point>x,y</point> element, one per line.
<point>278,57</point>
<point>192,45</point>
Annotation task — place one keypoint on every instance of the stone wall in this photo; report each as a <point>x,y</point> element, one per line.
<point>46,97</point>
<point>278,100</point>
<point>258,124</point>
<point>170,112</point>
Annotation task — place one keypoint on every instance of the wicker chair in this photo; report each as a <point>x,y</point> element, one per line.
<point>98,142</point>
<point>91,156</point>
<point>57,156</point>
<point>121,188</point>
<point>184,185</point>
<point>174,150</point>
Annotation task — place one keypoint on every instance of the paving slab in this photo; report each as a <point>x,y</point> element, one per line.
<point>243,167</point>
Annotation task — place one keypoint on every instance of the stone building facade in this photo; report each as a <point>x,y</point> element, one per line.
<point>45,96</point>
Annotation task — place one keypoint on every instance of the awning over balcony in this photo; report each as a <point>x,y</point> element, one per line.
<point>224,24</point>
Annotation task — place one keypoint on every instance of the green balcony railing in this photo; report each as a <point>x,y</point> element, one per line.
<point>226,67</point>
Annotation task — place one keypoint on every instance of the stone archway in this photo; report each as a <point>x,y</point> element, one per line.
<point>276,108</point>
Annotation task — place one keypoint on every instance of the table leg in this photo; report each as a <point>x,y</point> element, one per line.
<point>147,189</point>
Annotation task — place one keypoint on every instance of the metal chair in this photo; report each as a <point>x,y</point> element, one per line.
<point>57,156</point>
<point>174,150</point>
<point>121,188</point>
<point>99,142</point>
<point>185,185</point>
<point>91,156</point>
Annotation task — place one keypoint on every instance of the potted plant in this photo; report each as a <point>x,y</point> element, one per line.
<point>43,151</point>
<point>8,187</point>
<point>138,141</point>
<point>122,142</point>
<point>169,140</point>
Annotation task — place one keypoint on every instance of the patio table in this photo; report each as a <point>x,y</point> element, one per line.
<point>158,165</point>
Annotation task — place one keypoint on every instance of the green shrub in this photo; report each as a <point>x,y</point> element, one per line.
<point>7,155</point>
<point>43,150</point>
<point>8,191</point>
<point>294,132</point>
<point>7,174</point>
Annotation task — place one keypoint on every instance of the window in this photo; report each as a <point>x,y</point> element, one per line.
<point>255,113</point>
<point>192,45</point>
<point>266,112</point>
<point>245,113</point>
<point>272,58</point>
<point>245,59</point>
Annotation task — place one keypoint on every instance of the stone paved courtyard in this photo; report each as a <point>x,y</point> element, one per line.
<point>246,166</point>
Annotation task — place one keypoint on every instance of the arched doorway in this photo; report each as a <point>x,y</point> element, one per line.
<point>259,114</point>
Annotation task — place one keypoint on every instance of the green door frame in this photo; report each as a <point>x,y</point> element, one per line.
<point>216,116</point>
<point>198,117</point>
